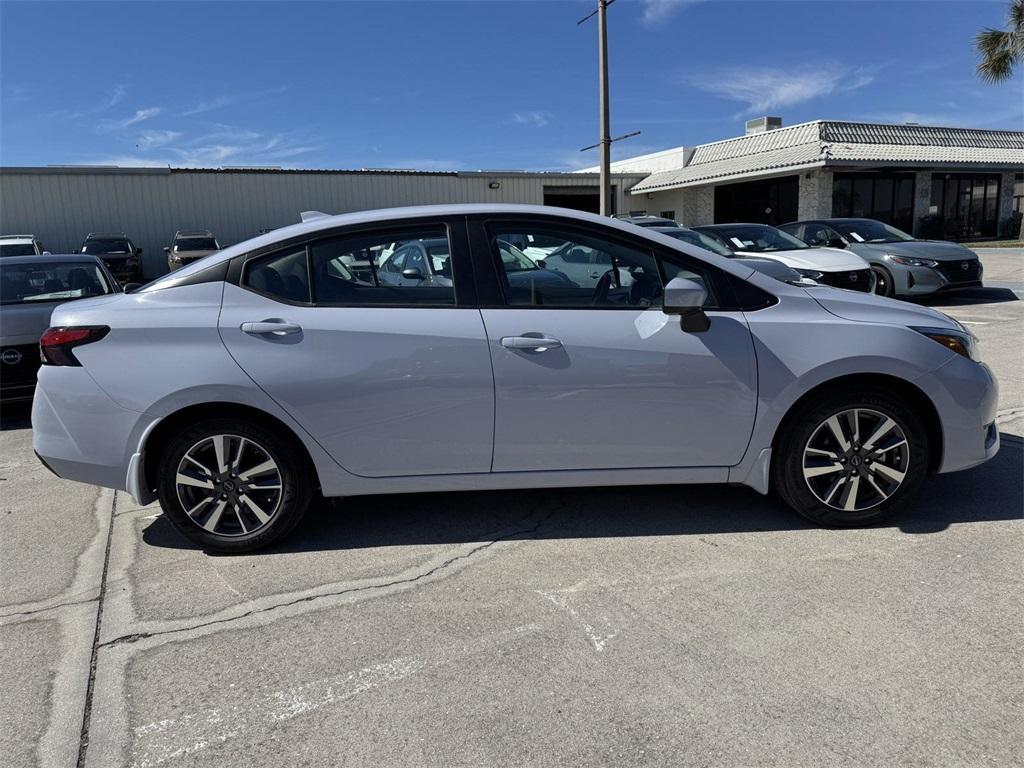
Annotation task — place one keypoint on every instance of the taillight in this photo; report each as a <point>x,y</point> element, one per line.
<point>55,344</point>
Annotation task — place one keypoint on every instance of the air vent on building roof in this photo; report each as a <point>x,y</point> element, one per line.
<point>762,124</point>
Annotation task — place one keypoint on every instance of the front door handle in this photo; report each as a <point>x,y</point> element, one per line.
<point>535,343</point>
<point>271,327</point>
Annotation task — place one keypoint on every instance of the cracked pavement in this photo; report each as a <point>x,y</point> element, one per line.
<point>652,625</point>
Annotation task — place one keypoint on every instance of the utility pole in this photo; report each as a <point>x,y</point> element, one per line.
<point>606,131</point>
<point>604,122</point>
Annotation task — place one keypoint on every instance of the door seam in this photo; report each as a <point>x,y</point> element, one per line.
<point>494,389</point>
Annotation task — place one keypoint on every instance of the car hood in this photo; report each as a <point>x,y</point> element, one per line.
<point>939,250</point>
<point>822,259</point>
<point>869,308</point>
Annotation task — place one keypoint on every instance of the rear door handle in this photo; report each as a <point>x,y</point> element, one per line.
<point>535,343</point>
<point>268,327</point>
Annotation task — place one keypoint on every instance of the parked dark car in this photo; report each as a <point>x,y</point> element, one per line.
<point>902,264</point>
<point>118,252</point>
<point>30,287</point>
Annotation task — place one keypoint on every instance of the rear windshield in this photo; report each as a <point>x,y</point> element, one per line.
<point>758,238</point>
<point>195,244</point>
<point>99,247</point>
<point>28,283</point>
<point>17,249</point>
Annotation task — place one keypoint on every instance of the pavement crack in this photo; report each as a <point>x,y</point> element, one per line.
<point>137,636</point>
<point>33,612</point>
<point>83,739</point>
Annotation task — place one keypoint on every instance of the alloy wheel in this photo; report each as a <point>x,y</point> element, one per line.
<point>229,485</point>
<point>856,459</point>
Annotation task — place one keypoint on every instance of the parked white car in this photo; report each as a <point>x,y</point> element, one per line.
<point>20,245</point>
<point>829,266</point>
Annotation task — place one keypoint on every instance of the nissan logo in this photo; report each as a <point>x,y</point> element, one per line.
<point>853,277</point>
<point>10,356</point>
<point>965,265</point>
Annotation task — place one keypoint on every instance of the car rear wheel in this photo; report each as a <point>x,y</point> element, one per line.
<point>883,282</point>
<point>233,486</point>
<point>852,458</point>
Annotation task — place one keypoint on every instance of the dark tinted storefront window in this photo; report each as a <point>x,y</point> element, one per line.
<point>771,201</point>
<point>1018,192</point>
<point>885,197</point>
<point>967,204</point>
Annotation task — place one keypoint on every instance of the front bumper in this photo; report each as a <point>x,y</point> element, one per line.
<point>947,276</point>
<point>125,272</point>
<point>966,396</point>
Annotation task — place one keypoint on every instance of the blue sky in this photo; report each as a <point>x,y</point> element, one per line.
<point>467,85</point>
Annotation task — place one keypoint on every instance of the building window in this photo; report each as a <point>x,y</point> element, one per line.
<point>964,205</point>
<point>885,197</point>
<point>668,215</point>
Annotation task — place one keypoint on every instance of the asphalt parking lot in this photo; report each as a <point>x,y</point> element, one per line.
<point>702,626</point>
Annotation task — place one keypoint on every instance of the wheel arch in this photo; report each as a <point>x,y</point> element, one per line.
<point>914,396</point>
<point>158,438</point>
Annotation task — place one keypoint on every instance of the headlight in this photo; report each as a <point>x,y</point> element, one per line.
<point>175,257</point>
<point>962,342</point>
<point>910,261</point>
<point>813,274</point>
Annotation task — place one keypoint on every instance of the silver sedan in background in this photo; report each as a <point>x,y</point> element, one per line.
<point>902,264</point>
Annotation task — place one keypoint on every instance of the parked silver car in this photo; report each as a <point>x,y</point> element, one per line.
<point>190,246</point>
<point>30,287</point>
<point>903,265</point>
<point>292,379</point>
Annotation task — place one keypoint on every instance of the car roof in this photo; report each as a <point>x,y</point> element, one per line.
<point>106,236</point>
<point>670,230</point>
<point>26,238</point>
<point>383,215</point>
<point>833,219</point>
<point>194,233</point>
<point>51,258</point>
<point>734,224</point>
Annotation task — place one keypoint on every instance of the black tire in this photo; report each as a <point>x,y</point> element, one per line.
<point>296,485</point>
<point>789,457</point>
<point>883,281</point>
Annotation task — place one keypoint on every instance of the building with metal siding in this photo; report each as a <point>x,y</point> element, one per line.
<point>63,204</point>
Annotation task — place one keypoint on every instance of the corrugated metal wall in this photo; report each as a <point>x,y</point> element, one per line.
<point>62,205</point>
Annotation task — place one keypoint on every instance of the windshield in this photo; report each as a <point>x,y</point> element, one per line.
<point>17,249</point>
<point>27,283</point>
<point>196,244</point>
<point>759,238</point>
<point>870,231</point>
<point>700,240</point>
<point>514,259</point>
<point>100,247</point>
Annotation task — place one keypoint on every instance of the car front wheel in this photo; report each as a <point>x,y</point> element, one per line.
<point>852,458</point>
<point>883,282</point>
<point>232,486</point>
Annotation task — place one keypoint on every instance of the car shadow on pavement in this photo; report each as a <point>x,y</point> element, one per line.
<point>993,491</point>
<point>15,416</point>
<point>967,297</point>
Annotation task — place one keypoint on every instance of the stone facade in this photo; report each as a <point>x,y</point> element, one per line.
<point>815,195</point>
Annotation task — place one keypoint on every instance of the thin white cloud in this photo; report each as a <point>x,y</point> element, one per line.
<point>227,100</point>
<point>127,122</point>
<point>531,117</point>
<point>764,89</point>
<point>115,97</point>
<point>657,11</point>
<point>153,139</point>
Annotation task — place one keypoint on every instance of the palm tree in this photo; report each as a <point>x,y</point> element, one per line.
<point>1002,50</point>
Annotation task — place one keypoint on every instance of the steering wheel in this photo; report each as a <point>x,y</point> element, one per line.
<point>602,288</point>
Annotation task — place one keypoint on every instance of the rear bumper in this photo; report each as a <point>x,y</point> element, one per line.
<point>78,432</point>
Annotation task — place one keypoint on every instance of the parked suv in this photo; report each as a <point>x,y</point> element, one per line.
<point>190,246</point>
<point>903,265</point>
<point>20,245</point>
<point>119,253</point>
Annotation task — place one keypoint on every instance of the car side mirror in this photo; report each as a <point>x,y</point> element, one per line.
<point>412,274</point>
<point>686,298</point>
<point>167,249</point>
<point>836,242</point>
<point>138,251</point>
<point>130,287</point>
<point>541,263</point>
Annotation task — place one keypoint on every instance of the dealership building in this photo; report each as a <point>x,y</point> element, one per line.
<point>952,183</point>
